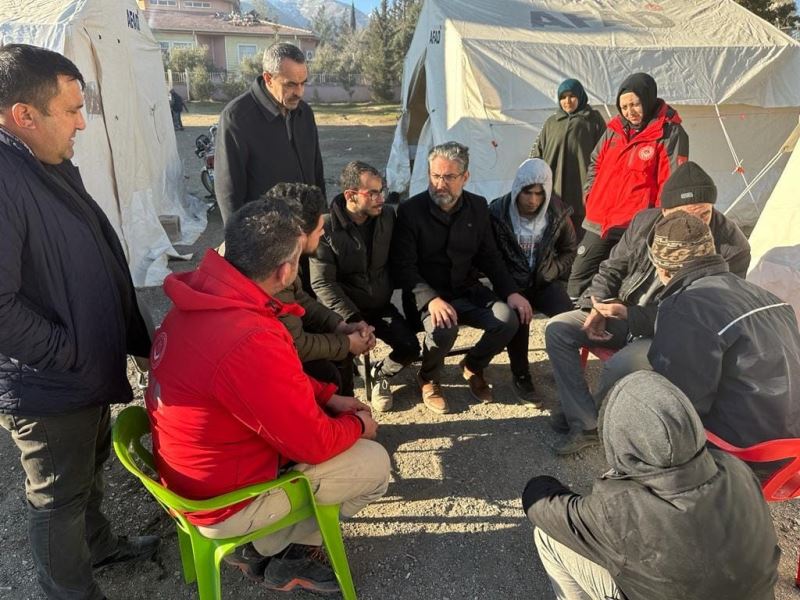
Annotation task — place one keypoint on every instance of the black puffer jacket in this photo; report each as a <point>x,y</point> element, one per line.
<point>671,520</point>
<point>556,252</point>
<point>68,314</point>
<point>438,254</point>
<point>628,275</point>
<point>344,276</point>
<point>734,349</point>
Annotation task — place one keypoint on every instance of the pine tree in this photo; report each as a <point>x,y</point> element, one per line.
<point>780,13</point>
<point>378,61</point>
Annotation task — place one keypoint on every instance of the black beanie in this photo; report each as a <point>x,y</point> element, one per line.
<point>688,184</point>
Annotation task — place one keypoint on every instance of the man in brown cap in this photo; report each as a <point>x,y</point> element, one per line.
<point>732,347</point>
<point>618,310</point>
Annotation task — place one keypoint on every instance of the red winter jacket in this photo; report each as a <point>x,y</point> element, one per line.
<point>228,399</point>
<point>626,175</point>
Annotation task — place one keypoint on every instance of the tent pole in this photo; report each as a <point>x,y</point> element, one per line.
<point>739,169</point>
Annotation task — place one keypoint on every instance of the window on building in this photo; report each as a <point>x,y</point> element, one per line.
<point>196,4</point>
<point>247,51</point>
<point>164,50</point>
<point>181,45</point>
<point>164,2</point>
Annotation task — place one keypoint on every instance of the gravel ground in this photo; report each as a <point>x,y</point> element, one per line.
<point>451,526</point>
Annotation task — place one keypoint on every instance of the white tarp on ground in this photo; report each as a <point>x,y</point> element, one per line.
<point>485,73</point>
<point>775,241</point>
<point>127,154</point>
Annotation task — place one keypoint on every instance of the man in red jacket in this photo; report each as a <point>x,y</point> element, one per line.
<point>231,406</point>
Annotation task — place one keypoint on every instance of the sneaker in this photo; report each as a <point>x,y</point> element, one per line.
<point>381,393</point>
<point>558,422</point>
<point>247,559</point>
<point>478,387</point>
<point>524,390</point>
<point>131,549</point>
<point>577,441</point>
<point>432,396</point>
<point>301,566</point>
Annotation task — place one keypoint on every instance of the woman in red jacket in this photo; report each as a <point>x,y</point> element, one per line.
<point>640,148</point>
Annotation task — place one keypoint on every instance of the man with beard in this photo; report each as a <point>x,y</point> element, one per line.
<point>443,240</point>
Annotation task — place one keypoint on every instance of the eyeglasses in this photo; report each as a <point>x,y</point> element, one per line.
<point>371,194</point>
<point>447,177</point>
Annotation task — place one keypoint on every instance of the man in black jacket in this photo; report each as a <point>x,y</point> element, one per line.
<point>68,317</point>
<point>670,520</point>
<point>732,347</point>
<point>268,134</point>
<point>443,240</point>
<point>537,240</point>
<point>350,272</point>
<point>618,309</point>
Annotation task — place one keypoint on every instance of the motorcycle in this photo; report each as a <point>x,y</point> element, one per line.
<point>204,150</point>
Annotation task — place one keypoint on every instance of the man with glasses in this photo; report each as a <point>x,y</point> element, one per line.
<point>442,243</point>
<point>350,272</point>
<point>268,135</point>
<point>537,240</point>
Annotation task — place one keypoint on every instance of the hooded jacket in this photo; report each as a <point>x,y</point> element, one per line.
<point>734,349</point>
<point>671,519</point>
<point>228,399</point>
<point>565,143</point>
<point>255,152</point>
<point>345,276</point>
<point>557,246</point>
<point>628,274</point>
<point>68,311</point>
<point>629,166</point>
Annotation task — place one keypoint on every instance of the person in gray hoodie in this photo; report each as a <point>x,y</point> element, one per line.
<point>537,240</point>
<point>670,519</point>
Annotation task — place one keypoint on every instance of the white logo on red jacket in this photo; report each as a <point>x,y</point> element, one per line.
<point>159,348</point>
<point>646,153</point>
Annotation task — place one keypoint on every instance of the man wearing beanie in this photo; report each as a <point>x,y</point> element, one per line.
<point>671,519</point>
<point>618,310</point>
<point>732,347</point>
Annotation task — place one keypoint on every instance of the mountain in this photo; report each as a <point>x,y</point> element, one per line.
<point>301,13</point>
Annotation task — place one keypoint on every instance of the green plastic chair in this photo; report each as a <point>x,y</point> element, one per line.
<point>200,555</point>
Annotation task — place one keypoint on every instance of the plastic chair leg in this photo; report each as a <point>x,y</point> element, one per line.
<point>207,570</point>
<point>187,557</point>
<point>328,518</point>
<point>797,577</point>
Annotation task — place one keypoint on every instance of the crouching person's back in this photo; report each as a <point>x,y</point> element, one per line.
<point>671,519</point>
<point>231,406</point>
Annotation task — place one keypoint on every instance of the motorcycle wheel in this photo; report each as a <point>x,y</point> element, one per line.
<point>208,182</point>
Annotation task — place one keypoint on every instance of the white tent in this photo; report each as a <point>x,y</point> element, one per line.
<point>775,241</point>
<point>127,154</point>
<point>485,73</point>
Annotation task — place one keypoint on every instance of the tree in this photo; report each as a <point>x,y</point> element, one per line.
<point>378,60</point>
<point>182,59</point>
<point>780,13</point>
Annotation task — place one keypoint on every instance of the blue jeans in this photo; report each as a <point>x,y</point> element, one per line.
<point>63,458</point>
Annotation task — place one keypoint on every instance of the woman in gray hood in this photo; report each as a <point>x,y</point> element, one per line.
<point>670,520</point>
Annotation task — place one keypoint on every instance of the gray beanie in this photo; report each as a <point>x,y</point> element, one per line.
<point>688,184</point>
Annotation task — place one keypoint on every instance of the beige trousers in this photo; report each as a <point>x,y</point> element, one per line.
<point>354,479</point>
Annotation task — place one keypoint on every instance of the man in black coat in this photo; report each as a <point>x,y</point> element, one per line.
<point>443,241</point>
<point>268,134</point>
<point>350,272</point>
<point>537,240</point>
<point>618,310</point>
<point>68,318</point>
<point>670,519</point>
<point>731,346</point>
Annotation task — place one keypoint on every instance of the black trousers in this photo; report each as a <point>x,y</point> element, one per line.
<point>395,331</point>
<point>592,250</point>
<point>550,300</point>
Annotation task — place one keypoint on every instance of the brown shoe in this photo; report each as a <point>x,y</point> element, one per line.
<point>432,396</point>
<point>478,387</point>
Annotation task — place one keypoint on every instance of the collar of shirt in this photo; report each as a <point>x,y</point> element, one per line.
<point>12,140</point>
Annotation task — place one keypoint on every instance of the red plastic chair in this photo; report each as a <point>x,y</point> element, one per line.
<point>783,484</point>
<point>602,353</point>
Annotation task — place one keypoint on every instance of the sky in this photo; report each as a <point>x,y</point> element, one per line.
<point>365,6</point>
